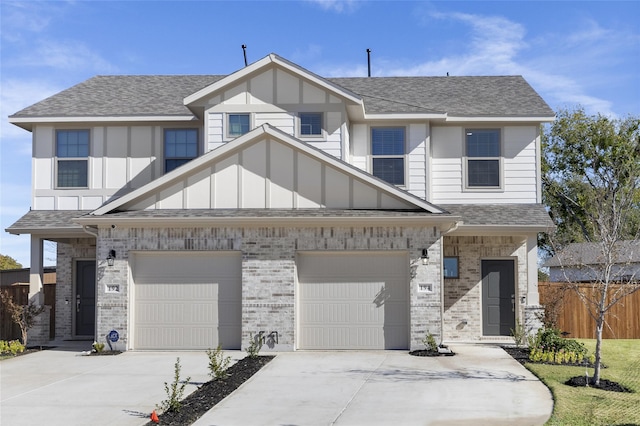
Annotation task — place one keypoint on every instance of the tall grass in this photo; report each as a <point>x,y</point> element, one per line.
<point>588,406</point>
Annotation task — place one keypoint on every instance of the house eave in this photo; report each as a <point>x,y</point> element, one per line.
<point>27,122</point>
<point>484,118</point>
<point>497,230</point>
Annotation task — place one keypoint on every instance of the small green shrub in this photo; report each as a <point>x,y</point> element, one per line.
<point>430,342</point>
<point>97,347</point>
<point>255,344</point>
<point>174,391</point>
<point>519,334</point>
<point>218,363</point>
<point>549,346</point>
<point>12,347</point>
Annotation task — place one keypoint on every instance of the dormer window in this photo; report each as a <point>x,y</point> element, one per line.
<point>238,124</point>
<point>387,152</point>
<point>310,123</point>
<point>72,152</point>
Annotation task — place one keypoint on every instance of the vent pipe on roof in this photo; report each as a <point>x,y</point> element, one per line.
<point>368,62</point>
<point>244,52</point>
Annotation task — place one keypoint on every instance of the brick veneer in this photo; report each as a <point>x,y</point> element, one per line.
<point>268,270</point>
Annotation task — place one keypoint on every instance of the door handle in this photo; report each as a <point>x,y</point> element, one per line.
<point>78,303</point>
<point>513,303</point>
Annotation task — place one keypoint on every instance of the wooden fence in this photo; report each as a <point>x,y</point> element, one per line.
<point>621,322</point>
<point>20,293</point>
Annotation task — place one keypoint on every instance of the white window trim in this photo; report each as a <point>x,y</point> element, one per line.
<point>58,159</point>
<point>405,156</point>
<point>225,124</point>
<point>466,158</point>
<point>323,132</point>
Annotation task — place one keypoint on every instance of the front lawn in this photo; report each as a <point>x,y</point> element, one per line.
<point>589,406</point>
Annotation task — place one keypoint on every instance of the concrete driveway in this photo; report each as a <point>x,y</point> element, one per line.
<point>480,385</point>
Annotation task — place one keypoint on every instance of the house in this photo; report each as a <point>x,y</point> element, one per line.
<point>319,213</point>
<point>585,262</point>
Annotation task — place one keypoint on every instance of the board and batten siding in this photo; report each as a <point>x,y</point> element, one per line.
<point>120,158</point>
<point>519,167</point>
<point>275,97</point>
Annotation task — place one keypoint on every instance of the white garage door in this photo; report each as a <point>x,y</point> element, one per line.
<point>353,300</point>
<point>187,300</point>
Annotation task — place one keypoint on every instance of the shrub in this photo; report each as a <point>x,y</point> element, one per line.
<point>175,391</point>
<point>218,363</point>
<point>255,344</point>
<point>549,346</point>
<point>12,347</point>
<point>519,334</point>
<point>430,342</point>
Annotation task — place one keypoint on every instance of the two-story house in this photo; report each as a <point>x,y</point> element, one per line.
<point>327,213</point>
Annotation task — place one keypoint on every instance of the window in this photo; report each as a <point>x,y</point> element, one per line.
<point>387,151</point>
<point>310,124</point>
<point>72,152</point>
<point>238,124</point>
<point>450,267</point>
<point>180,147</point>
<point>483,158</point>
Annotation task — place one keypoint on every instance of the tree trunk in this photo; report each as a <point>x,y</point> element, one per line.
<point>596,369</point>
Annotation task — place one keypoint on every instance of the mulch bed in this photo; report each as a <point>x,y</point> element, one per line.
<point>210,393</point>
<point>522,356</point>
<point>425,352</point>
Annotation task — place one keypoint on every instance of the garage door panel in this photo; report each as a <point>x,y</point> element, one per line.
<point>187,301</point>
<point>353,300</point>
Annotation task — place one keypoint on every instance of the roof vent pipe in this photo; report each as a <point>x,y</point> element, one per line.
<point>244,52</point>
<point>368,62</point>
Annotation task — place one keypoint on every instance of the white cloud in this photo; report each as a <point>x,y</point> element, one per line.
<point>64,55</point>
<point>339,6</point>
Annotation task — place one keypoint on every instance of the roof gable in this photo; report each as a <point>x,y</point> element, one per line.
<point>269,62</point>
<point>267,169</point>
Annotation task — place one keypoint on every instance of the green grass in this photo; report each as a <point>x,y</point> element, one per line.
<point>589,406</point>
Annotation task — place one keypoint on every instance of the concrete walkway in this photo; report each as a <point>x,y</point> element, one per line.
<point>480,385</point>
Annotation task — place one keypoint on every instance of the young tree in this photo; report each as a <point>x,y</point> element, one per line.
<point>8,262</point>
<point>591,184</point>
<point>23,315</point>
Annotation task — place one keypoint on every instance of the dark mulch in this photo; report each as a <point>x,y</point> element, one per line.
<point>210,393</point>
<point>425,352</point>
<point>105,353</point>
<point>608,385</point>
<point>522,356</point>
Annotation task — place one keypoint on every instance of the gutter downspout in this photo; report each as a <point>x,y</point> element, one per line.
<point>91,230</point>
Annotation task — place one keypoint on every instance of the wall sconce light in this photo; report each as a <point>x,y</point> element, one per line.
<point>111,257</point>
<point>425,256</point>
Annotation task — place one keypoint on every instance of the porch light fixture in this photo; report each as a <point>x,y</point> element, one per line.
<point>111,257</point>
<point>425,256</point>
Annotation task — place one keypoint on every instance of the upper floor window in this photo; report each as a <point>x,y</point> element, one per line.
<point>180,147</point>
<point>238,124</point>
<point>387,151</point>
<point>72,152</point>
<point>483,158</point>
<point>310,124</point>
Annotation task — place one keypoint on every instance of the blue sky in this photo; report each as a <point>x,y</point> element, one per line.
<point>573,53</point>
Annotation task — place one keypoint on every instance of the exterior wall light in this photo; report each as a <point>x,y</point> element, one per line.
<point>111,257</point>
<point>425,256</point>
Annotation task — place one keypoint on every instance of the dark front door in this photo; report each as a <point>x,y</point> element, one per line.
<point>85,297</point>
<point>498,297</point>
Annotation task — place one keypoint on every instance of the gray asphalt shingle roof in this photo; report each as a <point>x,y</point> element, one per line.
<point>577,254</point>
<point>163,95</point>
<point>501,214</point>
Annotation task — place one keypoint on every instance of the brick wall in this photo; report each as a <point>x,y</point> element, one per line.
<point>268,269</point>
<point>463,296</point>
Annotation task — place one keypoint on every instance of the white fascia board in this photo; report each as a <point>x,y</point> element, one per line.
<point>271,58</point>
<point>101,119</point>
<point>142,222</point>
<point>545,119</point>
<point>406,116</point>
